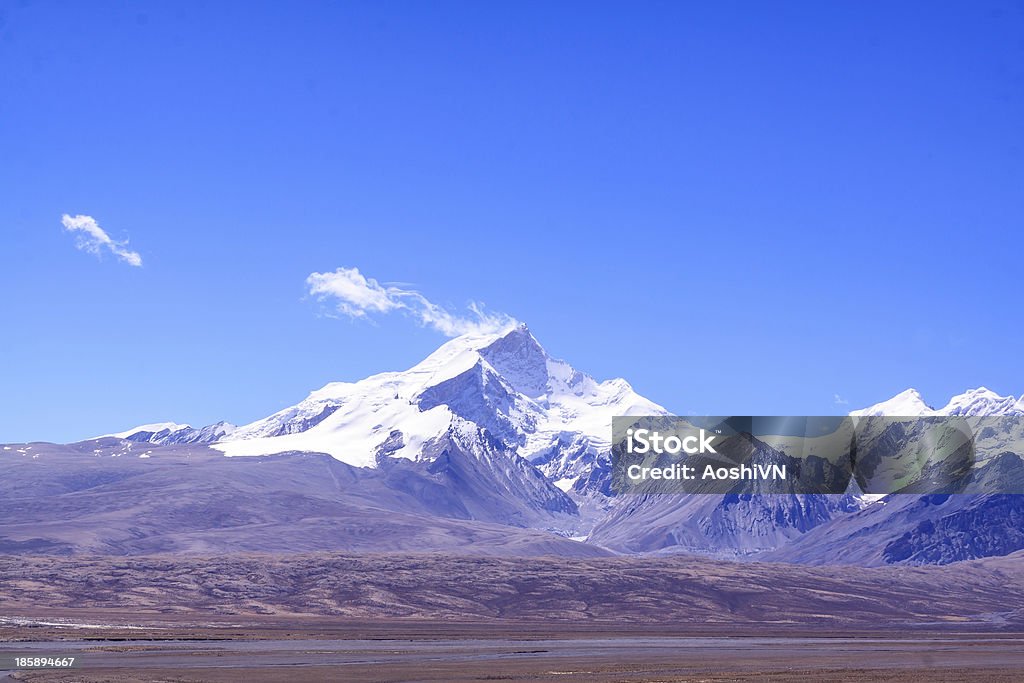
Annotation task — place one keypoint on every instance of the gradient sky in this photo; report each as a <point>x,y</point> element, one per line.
<point>742,208</point>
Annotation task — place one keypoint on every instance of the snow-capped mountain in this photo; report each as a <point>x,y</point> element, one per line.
<point>538,408</point>
<point>492,429</point>
<point>908,403</point>
<point>936,528</point>
<point>750,525</point>
<point>973,402</point>
<point>983,402</point>
<point>147,429</point>
<point>488,428</point>
<point>167,433</point>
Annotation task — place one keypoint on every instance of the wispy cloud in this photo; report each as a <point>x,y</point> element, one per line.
<point>358,296</point>
<point>839,400</point>
<point>90,237</point>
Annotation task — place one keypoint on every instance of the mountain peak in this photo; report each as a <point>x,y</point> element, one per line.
<point>908,403</point>
<point>163,433</point>
<point>980,401</point>
<point>478,341</point>
<point>519,358</point>
<point>154,428</point>
<point>472,344</point>
<point>505,383</point>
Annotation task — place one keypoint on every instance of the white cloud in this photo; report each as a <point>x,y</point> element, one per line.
<point>840,401</point>
<point>356,295</point>
<point>90,237</point>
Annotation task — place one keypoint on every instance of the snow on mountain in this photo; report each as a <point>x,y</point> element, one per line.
<point>490,428</point>
<point>908,403</point>
<point>167,433</point>
<point>982,401</point>
<point>973,402</point>
<point>989,417</point>
<point>153,428</point>
<point>207,434</point>
<point>940,528</point>
<point>739,524</point>
<point>539,408</point>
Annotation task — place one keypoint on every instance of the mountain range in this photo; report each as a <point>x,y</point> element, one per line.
<point>489,446</point>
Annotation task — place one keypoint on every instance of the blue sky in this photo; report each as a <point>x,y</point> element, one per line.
<point>742,208</point>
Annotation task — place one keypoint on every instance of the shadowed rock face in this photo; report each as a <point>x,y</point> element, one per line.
<point>731,525</point>
<point>519,359</point>
<point>753,517</point>
<point>982,527</point>
<point>915,530</point>
<point>484,403</point>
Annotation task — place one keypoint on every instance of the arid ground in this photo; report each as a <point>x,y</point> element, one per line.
<point>328,617</point>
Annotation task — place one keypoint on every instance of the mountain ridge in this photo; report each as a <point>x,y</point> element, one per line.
<point>492,428</point>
